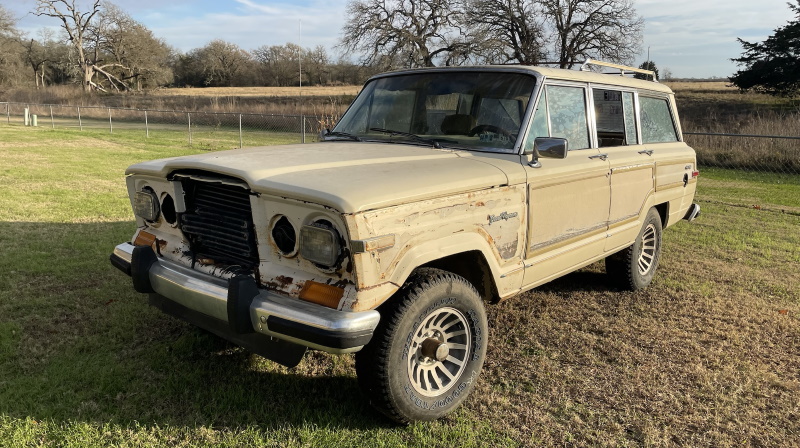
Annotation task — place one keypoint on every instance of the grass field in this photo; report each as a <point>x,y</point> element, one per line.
<point>707,356</point>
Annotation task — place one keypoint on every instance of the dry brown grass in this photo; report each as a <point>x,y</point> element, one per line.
<point>716,107</point>
<point>261,91</point>
<point>708,356</point>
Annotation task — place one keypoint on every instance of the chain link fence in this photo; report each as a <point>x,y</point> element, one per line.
<point>204,130</point>
<point>756,171</point>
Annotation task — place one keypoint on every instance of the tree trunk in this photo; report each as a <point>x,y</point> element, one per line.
<point>88,74</point>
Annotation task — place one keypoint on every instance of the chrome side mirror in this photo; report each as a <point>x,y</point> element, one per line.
<point>551,147</point>
<point>547,147</point>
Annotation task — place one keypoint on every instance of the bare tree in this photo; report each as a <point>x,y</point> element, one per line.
<point>112,50</point>
<point>221,62</point>
<point>8,25</point>
<point>508,30</point>
<point>604,29</point>
<point>77,26</point>
<point>280,64</point>
<point>37,56</point>
<point>132,53</point>
<point>316,64</point>
<point>411,33</point>
<point>11,64</point>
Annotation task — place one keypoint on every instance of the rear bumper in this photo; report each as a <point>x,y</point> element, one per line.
<point>239,307</point>
<point>692,213</point>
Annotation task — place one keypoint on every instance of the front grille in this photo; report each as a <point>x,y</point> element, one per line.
<point>219,223</point>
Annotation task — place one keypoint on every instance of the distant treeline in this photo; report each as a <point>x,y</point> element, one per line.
<point>105,49</point>
<point>102,48</point>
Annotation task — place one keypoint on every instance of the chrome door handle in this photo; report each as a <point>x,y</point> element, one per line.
<point>649,152</point>
<point>599,156</point>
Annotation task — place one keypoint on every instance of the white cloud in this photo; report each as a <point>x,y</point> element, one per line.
<point>255,25</point>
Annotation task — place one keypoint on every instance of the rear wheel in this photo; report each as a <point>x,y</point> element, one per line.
<point>634,267</point>
<point>428,349</point>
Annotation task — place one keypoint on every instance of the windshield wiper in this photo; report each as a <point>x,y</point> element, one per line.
<point>343,134</point>
<point>416,137</point>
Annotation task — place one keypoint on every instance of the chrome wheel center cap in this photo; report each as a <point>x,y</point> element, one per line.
<point>435,349</point>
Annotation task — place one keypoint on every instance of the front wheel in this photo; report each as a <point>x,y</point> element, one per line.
<point>633,268</point>
<point>428,349</point>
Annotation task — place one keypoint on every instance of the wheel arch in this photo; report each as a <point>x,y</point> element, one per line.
<point>471,265</point>
<point>663,212</point>
<point>465,254</point>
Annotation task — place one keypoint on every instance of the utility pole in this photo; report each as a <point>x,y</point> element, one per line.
<point>300,61</point>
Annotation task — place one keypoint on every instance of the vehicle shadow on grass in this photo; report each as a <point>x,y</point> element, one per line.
<point>585,280</point>
<point>77,344</point>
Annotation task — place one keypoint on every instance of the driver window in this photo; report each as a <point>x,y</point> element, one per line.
<point>539,126</point>
<point>567,110</point>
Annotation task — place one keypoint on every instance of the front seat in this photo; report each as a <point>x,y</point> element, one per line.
<point>458,124</point>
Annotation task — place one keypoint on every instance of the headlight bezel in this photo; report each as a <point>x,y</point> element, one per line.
<point>146,205</point>
<point>320,243</point>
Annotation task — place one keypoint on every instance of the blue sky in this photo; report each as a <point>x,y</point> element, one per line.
<point>693,38</point>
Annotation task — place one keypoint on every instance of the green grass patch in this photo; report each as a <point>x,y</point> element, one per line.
<point>757,189</point>
<point>704,357</point>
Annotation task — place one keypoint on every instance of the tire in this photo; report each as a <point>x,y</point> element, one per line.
<point>633,268</point>
<point>437,314</point>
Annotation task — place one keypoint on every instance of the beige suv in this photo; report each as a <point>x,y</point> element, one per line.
<point>439,191</point>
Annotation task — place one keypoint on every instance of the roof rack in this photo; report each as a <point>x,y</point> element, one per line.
<point>622,68</point>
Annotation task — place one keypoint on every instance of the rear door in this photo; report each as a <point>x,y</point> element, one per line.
<point>631,164</point>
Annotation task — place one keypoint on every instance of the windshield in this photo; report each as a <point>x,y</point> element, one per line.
<point>471,110</point>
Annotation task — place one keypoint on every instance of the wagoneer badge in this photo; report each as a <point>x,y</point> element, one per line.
<point>505,216</point>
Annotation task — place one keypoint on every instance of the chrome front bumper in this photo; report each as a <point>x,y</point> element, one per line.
<point>260,311</point>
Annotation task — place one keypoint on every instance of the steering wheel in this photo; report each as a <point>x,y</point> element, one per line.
<point>481,128</point>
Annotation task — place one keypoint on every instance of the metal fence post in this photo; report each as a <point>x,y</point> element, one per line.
<point>52,122</point>
<point>110,125</point>
<point>8,114</point>
<point>240,130</point>
<point>80,122</point>
<point>189,119</point>
<point>303,130</point>
<point>146,125</point>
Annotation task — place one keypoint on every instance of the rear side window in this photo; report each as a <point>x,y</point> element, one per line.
<point>657,124</point>
<point>615,117</point>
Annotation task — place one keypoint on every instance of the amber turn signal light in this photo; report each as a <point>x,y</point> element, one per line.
<point>144,239</point>
<point>321,294</point>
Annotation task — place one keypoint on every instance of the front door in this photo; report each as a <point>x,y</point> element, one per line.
<point>568,199</point>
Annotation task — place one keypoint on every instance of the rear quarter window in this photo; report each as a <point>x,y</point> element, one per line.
<point>657,123</point>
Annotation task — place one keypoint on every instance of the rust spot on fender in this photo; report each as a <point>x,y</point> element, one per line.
<point>283,280</point>
<point>343,283</point>
<point>508,250</point>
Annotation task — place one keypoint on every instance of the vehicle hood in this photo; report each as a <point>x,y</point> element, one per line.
<point>348,176</point>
